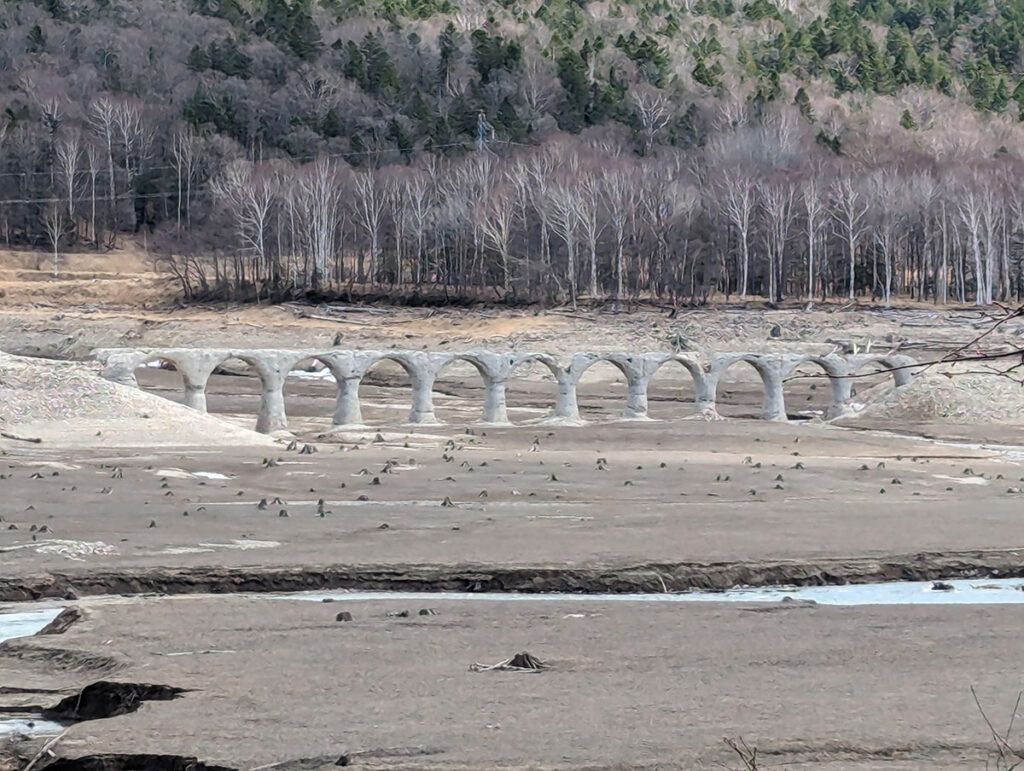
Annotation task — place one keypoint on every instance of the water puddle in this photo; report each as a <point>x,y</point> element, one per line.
<point>25,623</point>
<point>1011,452</point>
<point>177,473</point>
<point>28,727</point>
<point>960,592</point>
<point>319,374</point>
<point>961,480</point>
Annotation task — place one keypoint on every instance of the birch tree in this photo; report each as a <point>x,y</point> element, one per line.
<point>102,114</point>
<point>813,201</point>
<point>620,194</point>
<point>248,195</point>
<point>318,204</point>
<point>560,203</point>
<point>68,156</point>
<point>849,207</point>
<point>777,202</point>
<point>591,219</point>
<point>185,153</point>
<point>368,210</point>
<point>736,200</point>
<point>53,224</point>
<point>496,215</point>
<point>969,207</point>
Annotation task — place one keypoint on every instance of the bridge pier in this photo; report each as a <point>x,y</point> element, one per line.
<point>773,406</point>
<point>195,368</point>
<point>705,401</point>
<point>273,368</point>
<point>638,371</point>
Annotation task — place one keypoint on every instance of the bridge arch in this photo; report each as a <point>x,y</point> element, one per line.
<point>722,364</point>
<point>596,397</point>
<point>148,374</point>
<point>691,367</point>
<point>815,387</point>
<point>391,362</point>
<point>899,366</point>
<point>543,405</point>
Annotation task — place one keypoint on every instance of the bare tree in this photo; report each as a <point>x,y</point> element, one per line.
<point>736,199</point>
<point>620,194</point>
<point>653,113</point>
<point>991,217</point>
<point>102,118</point>
<point>368,209</point>
<point>889,197</point>
<point>394,196</point>
<point>813,201</point>
<point>53,224</point>
<point>496,214</point>
<point>419,197</point>
<point>185,152</point>
<point>67,156</point>
<point>777,202</point>
<point>135,138</point>
<point>318,198</point>
<point>970,209</point>
<point>536,87</point>
<point>590,212</point>
<point>849,206</point>
<point>249,194</point>
<point>94,166</point>
<point>561,204</point>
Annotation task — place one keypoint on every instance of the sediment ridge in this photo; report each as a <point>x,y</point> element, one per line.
<point>632,578</point>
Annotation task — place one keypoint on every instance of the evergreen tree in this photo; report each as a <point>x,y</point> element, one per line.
<point>381,75</point>
<point>803,103</point>
<point>448,43</point>
<point>572,72</point>
<point>703,75</point>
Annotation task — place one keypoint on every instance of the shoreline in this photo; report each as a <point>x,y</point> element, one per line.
<point>641,578</point>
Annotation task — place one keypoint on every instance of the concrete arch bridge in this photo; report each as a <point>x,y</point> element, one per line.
<point>348,367</point>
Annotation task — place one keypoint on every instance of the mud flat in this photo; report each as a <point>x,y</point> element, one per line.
<point>680,497</point>
<point>630,685</point>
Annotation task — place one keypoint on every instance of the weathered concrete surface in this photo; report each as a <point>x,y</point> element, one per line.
<point>349,367</point>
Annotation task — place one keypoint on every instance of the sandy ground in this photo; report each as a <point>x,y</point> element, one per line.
<point>631,687</point>
<point>731,490</point>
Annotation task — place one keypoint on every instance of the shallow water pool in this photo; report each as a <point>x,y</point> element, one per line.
<point>964,592</point>
<point>28,726</point>
<point>25,623</point>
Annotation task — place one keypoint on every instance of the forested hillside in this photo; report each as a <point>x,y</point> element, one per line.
<point>549,149</point>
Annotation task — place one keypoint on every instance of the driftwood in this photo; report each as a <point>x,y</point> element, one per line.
<point>32,439</point>
<point>45,750</point>
<point>521,662</point>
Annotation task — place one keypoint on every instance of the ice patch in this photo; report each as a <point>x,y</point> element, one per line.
<point>1005,591</point>
<point>962,480</point>
<point>75,550</point>
<point>28,727</point>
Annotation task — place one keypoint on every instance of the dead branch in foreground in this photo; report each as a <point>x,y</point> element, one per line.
<point>1006,757</point>
<point>746,754</point>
